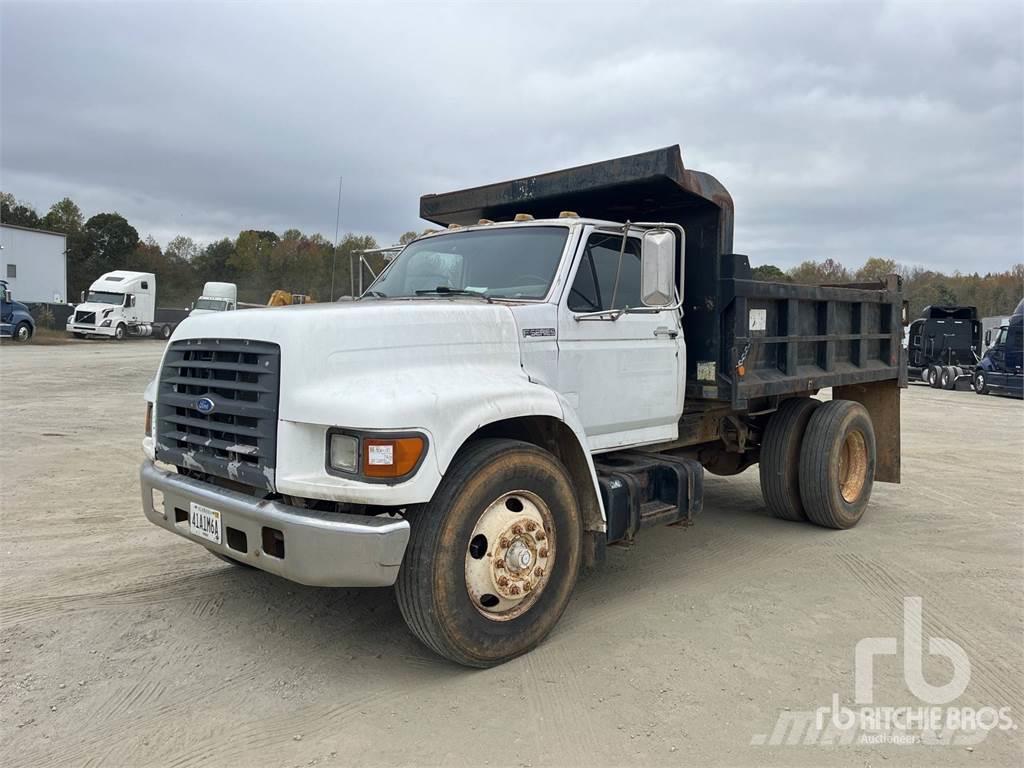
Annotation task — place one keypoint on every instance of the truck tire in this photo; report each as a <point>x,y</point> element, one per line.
<point>837,464</point>
<point>22,332</point>
<point>501,501</point>
<point>934,376</point>
<point>980,383</point>
<point>121,332</point>
<point>948,378</point>
<point>165,332</point>
<point>780,458</point>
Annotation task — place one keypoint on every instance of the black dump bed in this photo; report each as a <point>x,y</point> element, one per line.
<point>748,342</point>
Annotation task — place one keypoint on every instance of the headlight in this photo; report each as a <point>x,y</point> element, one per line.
<point>375,456</point>
<point>344,452</point>
<point>105,324</point>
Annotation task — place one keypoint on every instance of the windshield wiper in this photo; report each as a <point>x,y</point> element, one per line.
<point>444,290</point>
<point>376,294</point>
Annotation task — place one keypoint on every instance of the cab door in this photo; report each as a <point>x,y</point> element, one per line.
<point>624,376</point>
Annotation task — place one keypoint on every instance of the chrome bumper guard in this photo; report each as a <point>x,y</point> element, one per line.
<point>320,548</point>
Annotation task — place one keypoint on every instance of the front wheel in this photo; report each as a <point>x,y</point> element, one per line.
<point>980,383</point>
<point>23,332</point>
<point>120,332</point>
<point>493,558</point>
<point>165,332</point>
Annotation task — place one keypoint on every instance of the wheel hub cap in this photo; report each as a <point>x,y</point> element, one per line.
<point>510,555</point>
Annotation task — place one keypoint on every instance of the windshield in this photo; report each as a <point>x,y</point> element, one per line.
<point>501,263</point>
<point>217,305</point>
<point>103,297</point>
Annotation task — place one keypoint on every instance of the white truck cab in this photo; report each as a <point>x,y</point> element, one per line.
<point>217,297</point>
<point>117,304</point>
<point>510,397</point>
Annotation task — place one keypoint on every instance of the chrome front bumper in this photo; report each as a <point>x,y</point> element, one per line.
<point>319,548</point>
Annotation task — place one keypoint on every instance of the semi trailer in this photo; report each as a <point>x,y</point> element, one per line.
<point>546,376</point>
<point>944,346</point>
<point>120,304</point>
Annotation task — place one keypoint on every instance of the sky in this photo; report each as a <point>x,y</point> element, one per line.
<point>844,130</point>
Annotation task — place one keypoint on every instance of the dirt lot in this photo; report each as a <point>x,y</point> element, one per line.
<point>124,645</point>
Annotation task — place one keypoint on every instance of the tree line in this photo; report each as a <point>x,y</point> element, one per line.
<point>260,261</point>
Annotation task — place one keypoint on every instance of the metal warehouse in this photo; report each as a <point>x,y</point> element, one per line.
<point>34,264</point>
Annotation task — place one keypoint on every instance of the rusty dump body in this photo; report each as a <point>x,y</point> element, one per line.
<point>750,344</point>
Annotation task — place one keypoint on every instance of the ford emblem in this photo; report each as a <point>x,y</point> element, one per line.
<point>205,405</point>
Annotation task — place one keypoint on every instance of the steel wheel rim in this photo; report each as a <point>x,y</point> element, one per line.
<point>853,466</point>
<point>23,333</point>
<point>509,555</point>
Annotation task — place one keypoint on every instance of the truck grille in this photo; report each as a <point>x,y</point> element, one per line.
<point>216,409</point>
<point>85,317</point>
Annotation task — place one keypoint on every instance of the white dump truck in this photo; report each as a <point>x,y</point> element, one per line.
<point>543,378</point>
<point>122,304</point>
<point>217,297</point>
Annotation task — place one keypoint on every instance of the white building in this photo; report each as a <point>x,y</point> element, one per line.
<point>34,263</point>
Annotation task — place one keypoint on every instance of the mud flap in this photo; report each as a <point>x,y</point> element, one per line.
<point>882,401</point>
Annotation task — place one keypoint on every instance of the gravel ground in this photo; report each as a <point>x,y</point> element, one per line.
<point>124,645</point>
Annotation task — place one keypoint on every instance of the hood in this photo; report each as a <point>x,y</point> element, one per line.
<point>382,349</point>
<point>98,307</point>
<point>369,325</point>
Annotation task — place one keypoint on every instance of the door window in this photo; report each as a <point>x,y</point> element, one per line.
<point>595,277</point>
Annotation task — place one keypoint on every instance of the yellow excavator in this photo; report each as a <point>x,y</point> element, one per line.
<point>281,298</point>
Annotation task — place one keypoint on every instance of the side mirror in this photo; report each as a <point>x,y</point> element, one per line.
<point>988,337</point>
<point>658,268</point>
<point>81,297</point>
<point>7,296</point>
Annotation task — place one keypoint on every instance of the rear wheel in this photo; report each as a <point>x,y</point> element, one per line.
<point>947,380</point>
<point>837,464</point>
<point>493,558</point>
<point>934,376</point>
<point>780,458</point>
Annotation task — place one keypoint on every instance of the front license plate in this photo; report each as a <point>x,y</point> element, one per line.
<point>204,522</point>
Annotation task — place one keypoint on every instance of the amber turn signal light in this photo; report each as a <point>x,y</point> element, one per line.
<point>391,457</point>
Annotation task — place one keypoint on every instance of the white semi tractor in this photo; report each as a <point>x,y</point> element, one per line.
<point>120,304</point>
<point>217,297</point>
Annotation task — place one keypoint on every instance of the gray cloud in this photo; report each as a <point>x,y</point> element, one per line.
<point>846,130</point>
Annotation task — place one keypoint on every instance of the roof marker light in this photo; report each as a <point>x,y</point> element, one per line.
<point>568,215</point>
<point>485,222</point>
<point>523,217</point>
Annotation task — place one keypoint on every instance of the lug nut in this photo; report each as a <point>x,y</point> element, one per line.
<point>540,536</point>
<point>513,590</point>
<point>531,526</point>
<point>543,552</point>
<point>499,563</point>
<point>503,542</point>
<point>539,571</point>
<point>527,587</point>
<point>503,581</point>
<point>517,529</point>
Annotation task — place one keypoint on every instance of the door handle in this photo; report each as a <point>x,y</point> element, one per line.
<point>666,331</point>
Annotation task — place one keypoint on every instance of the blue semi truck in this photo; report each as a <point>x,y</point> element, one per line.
<point>15,320</point>
<point>1001,369</point>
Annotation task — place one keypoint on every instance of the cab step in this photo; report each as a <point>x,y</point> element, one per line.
<point>640,490</point>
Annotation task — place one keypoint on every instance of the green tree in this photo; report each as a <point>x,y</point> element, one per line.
<point>769,273</point>
<point>407,237</point>
<point>64,216</point>
<point>15,212</point>
<point>876,269</point>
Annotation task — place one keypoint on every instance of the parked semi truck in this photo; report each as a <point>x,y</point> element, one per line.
<point>16,322</point>
<point>122,304</point>
<point>547,376</point>
<point>944,346</point>
<point>1000,370</point>
<point>217,297</point>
